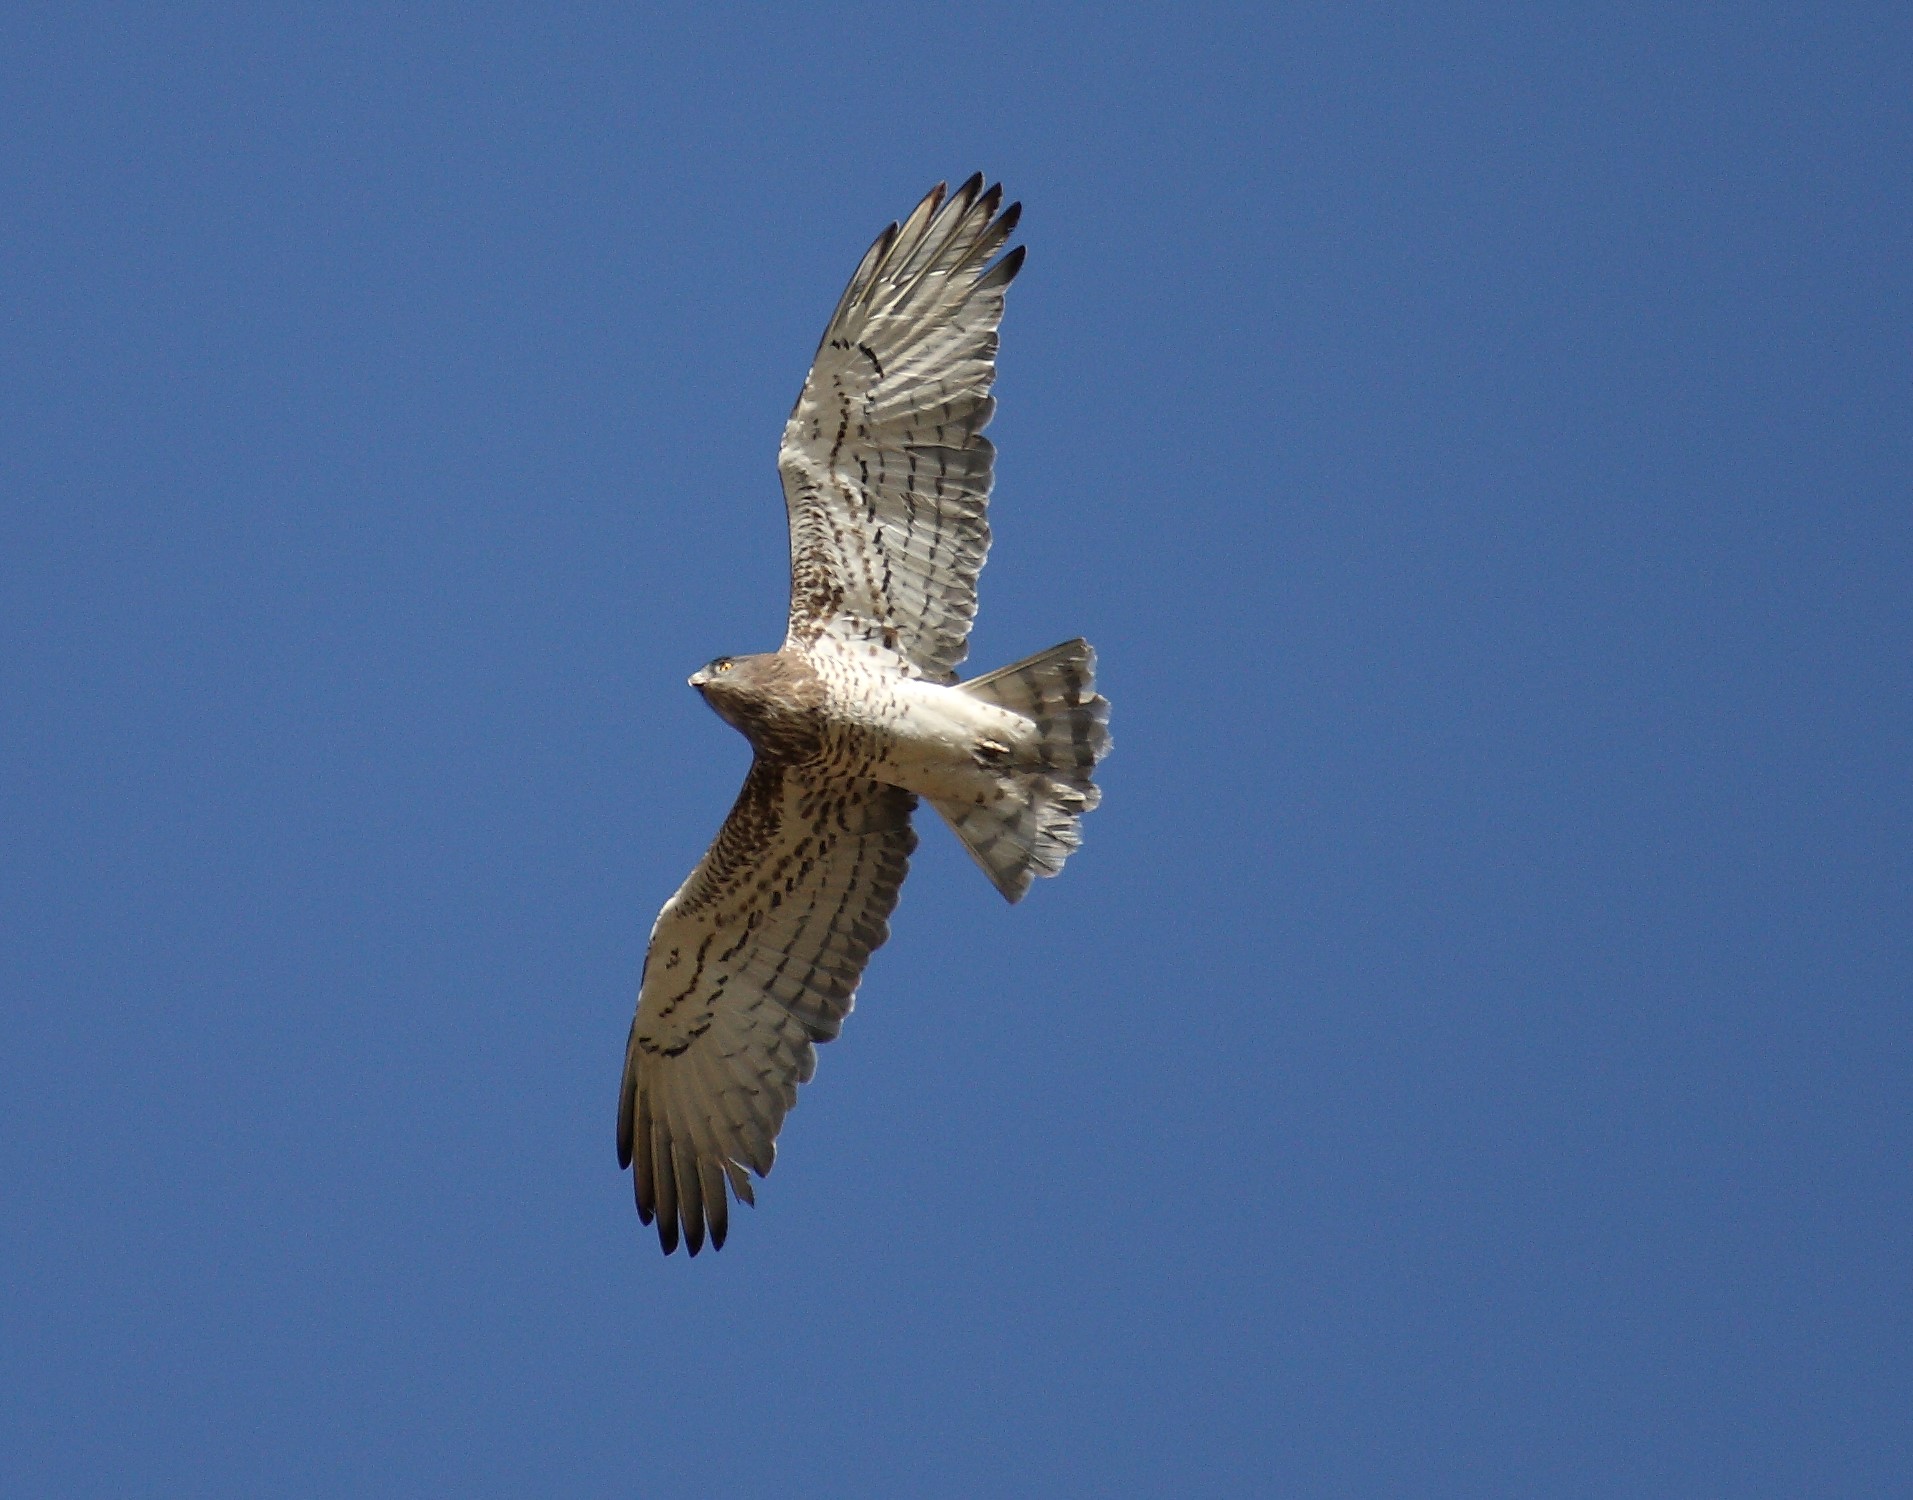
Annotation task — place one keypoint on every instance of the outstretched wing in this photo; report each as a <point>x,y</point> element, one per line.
<point>754,961</point>
<point>886,470</point>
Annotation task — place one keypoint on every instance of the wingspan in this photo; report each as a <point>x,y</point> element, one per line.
<point>886,470</point>
<point>754,961</point>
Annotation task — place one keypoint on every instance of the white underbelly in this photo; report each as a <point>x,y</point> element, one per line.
<point>940,741</point>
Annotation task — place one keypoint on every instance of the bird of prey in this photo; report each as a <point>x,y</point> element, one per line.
<point>886,477</point>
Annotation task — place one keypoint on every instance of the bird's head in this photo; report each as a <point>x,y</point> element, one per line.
<point>710,673</point>
<point>772,698</point>
<point>732,685</point>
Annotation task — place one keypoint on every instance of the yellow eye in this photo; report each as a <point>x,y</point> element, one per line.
<point>724,665</point>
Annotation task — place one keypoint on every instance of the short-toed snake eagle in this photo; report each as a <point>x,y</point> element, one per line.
<point>886,477</point>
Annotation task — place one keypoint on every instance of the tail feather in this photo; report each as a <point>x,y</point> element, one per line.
<point>1033,822</point>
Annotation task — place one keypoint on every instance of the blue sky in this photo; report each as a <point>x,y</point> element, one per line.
<point>1470,1055</point>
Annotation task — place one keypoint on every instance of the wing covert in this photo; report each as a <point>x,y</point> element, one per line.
<point>885,468</point>
<point>753,962</point>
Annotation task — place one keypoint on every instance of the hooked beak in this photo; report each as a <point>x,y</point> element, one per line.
<point>698,678</point>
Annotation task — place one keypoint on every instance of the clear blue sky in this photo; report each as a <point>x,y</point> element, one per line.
<point>1471,1055</point>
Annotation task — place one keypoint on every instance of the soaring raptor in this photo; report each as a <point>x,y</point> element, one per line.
<point>886,478</point>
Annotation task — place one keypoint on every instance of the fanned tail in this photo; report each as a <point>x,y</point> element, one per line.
<point>1034,822</point>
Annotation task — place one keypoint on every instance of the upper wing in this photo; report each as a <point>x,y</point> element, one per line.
<point>755,958</point>
<point>886,470</point>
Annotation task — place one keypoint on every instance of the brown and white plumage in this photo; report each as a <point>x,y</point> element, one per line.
<point>751,963</point>
<point>886,470</point>
<point>886,477</point>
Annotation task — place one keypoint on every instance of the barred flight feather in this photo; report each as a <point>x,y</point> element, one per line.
<point>720,1043</point>
<point>886,473</point>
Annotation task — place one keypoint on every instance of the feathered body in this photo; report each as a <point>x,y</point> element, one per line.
<point>886,480</point>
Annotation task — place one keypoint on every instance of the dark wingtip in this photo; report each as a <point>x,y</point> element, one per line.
<point>1007,222</point>
<point>1004,272</point>
<point>972,185</point>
